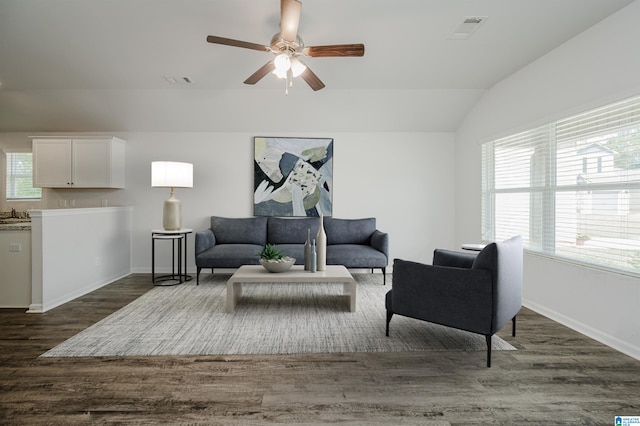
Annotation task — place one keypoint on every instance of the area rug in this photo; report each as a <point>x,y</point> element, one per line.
<point>269,319</point>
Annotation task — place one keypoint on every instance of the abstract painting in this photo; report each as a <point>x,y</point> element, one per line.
<point>293,177</point>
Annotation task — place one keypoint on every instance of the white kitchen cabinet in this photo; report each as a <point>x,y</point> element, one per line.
<point>15,264</point>
<point>78,162</point>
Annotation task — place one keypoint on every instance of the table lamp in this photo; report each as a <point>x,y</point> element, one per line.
<point>170,174</point>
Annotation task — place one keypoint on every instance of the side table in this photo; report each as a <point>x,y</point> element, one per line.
<point>473,247</point>
<point>178,238</point>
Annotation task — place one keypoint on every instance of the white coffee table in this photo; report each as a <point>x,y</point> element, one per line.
<point>256,274</point>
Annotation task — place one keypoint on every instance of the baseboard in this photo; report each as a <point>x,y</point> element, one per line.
<point>35,308</point>
<point>48,305</point>
<point>604,338</point>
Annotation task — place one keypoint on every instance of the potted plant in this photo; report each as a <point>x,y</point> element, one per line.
<point>581,238</point>
<point>273,260</point>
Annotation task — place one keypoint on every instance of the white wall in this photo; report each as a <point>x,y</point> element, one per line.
<point>402,179</point>
<point>597,67</point>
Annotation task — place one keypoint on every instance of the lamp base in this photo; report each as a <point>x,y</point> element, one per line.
<point>172,214</point>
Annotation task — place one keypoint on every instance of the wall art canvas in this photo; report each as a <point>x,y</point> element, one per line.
<point>293,177</point>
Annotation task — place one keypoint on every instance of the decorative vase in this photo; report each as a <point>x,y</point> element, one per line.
<point>307,251</point>
<point>321,242</point>
<point>312,266</point>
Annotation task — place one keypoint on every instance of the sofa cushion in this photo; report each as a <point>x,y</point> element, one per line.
<point>252,230</point>
<point>355,256</point>
<point>349,231</point>
<point>291,230</point>
<point>229,256</point>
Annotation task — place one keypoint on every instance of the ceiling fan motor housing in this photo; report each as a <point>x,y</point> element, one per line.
<point>278,45</point>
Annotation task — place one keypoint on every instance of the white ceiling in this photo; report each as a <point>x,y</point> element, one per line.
<point>78,65</point>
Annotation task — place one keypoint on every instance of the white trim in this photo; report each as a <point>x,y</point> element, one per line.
<point>604,338</point>
<point>586,265</point>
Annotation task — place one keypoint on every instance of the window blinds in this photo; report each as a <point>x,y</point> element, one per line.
<point>570,188</point>
<point>19,177</point>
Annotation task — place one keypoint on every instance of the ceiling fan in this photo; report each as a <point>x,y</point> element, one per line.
<point>287,46</point>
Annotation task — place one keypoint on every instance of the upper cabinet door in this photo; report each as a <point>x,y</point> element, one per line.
<point>52,163</point>
<point>91,161</point>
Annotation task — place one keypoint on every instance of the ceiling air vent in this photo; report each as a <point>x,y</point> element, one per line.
<point>178,80</point>
<point>468,26</point>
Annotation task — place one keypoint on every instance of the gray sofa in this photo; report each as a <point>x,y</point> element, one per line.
<point>233,242</point>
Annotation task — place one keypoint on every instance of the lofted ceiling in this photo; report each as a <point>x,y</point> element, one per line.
<point>78,65</point>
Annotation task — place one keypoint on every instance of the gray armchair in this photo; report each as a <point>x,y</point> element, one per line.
<point>479,293</point>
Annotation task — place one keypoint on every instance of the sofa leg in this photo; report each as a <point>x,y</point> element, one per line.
<point>384,276</point>
<point>513,326</point>
<point>488,339</point>
<point>198,276</point>
<point>389,315</point>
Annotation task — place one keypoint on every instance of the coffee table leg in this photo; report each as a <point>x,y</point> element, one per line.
<point>234,293</point>
<point>350,289</point>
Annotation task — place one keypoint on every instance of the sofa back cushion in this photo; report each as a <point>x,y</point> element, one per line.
<point>251,230</point>
<point>291,230</point>
<point>349,231</point>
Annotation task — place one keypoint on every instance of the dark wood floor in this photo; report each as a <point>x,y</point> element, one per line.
<point>556,376</point>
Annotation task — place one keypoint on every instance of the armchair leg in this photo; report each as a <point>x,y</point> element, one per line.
<point>488,339</point>
<point>513,327</point>
<point>389,315</point>
<point>384,276</point>
<point>198,276</point>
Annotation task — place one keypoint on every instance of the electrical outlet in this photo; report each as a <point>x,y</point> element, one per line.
<point>15,247</point>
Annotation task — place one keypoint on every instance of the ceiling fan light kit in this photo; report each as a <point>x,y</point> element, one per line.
<point>287,46</point>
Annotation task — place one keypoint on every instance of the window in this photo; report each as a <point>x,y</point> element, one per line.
<point>19,177</point>
<point>571,188</point>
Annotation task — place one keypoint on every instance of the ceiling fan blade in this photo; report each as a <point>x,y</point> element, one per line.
<point>238,43</point>
<point>312,80</point>
<point>258,75</point>
<point>289,19</point>
<point>334,50</point>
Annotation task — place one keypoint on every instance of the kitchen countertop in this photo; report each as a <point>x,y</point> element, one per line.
<point>19,226</point>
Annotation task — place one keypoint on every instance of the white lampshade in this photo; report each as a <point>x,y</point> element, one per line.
<point>171,174</point>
